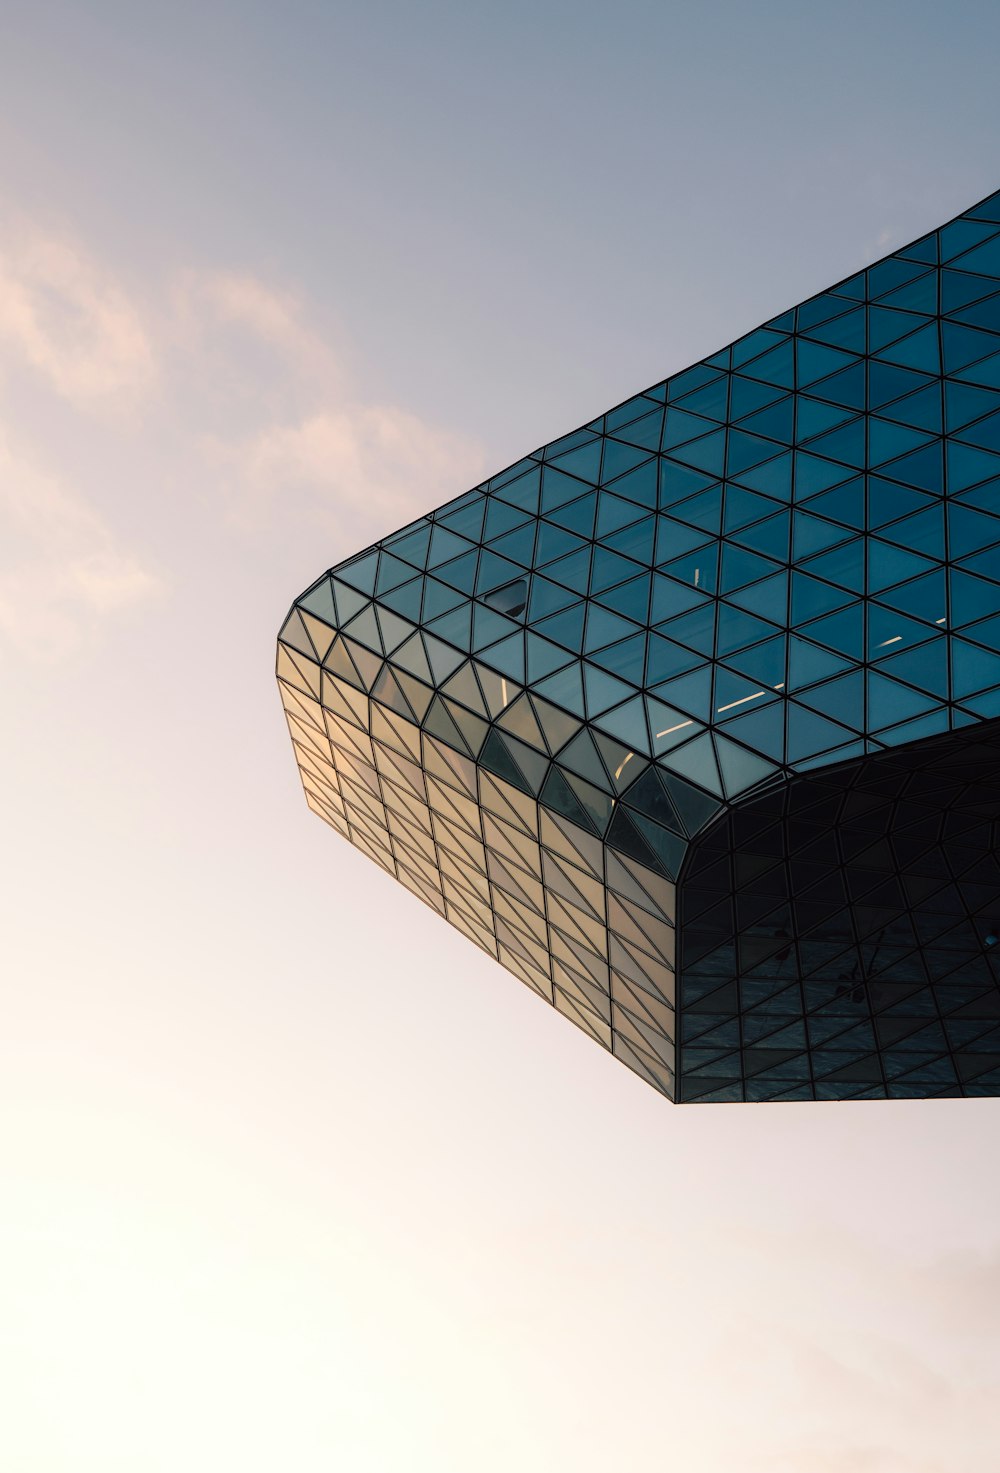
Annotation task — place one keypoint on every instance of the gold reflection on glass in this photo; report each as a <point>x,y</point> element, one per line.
<point>584,927</point>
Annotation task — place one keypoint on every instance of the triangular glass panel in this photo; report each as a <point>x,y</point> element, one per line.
<point>971,598</point>
<point>359,574</point>
<point>665,658</point>
<point>557,794</point>
<point>496,758</point>
<point>890,702</point>
<point>294,633</point>
<point>411,657</point>
<point>888,565</point>
<point>582,460</point>
<point>603,690</point>
<point>565,688</point>
<point>614,512</point>
<point>628,723</point>
<point>740,768</point>
<point>810,733</point>
<point>808,663</point>
<point>695,761</point>
<point>573,571</point>
<point>924,597</point>
<point>668,727</point>
<point>556,725</point>
<point>926,667</point>
<point>919,351</point>
<point>973,669</point>
<point>690,694</point>
<point>620,458</point>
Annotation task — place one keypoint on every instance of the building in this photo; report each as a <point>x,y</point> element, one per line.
<point>691,718</point>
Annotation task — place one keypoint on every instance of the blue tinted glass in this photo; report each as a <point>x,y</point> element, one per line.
<point>888,565</point>
<point>635,541</point>
<point>890,702</point>
<point>610,568</point>
<point>467,520</point>
<point>577,516</point>
<point>518,546</point>
<point>925,667</point>
<point>461,572</point>
<point>488,626</point>
<point>627,659</point>
<point>809,663</point>
<point>737,629</point>
<point>604,627</point>
<point>574,570</point>
<point>697,568</point>
<point>810,733</point>
<point>974,669</point>
<point>970,530</point>
<point>769,537</point>
<point>582,460</point>
<point>922,410</point>
<point>665,658</point>
<point>739,567</point>
<point>844,565</point>
<point>614,512</point>
<point>565,628</point>
<point>696,629</point>
<point>631,599</point>
<point>811,534</point>
<point>602,689</point>
<point>544,657</point>
<point>768,598</point>
<point>554,542</point>
<point>811,598</point>
<point>619,458</point>
<point>547,598</point>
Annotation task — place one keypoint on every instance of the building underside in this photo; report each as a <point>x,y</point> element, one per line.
<point>836,932</point>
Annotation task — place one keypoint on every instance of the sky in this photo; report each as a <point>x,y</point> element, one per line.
<point>291,1174</point>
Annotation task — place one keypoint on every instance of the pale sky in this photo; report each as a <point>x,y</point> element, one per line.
<point>292,1176</point>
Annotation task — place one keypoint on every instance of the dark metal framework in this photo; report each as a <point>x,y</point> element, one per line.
<point>690,718</point>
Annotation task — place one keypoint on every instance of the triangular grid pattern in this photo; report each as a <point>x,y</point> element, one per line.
<point>783,560</point>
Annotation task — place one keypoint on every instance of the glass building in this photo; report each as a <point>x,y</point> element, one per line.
<point>691,718</point>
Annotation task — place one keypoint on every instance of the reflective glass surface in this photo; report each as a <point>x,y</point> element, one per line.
<point>538,705</point>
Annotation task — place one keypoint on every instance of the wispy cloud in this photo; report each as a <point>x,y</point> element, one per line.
<point>296,439</point>
<point>69,320</point>
<point>74,348</point>
<point>362,469</point>
<point>63,570</point>
<point>275,317</point>
<point>242,411</point>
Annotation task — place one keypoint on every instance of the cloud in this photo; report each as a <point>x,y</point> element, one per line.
<point>249,422</point>
<point>74,347</point>
<point>63,570</point>
<point>362,469</point>
<point>273,316</point>
<point>281,421</point>
<point>70,321</point>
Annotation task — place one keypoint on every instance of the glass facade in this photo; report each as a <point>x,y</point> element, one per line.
<point>691,718</point>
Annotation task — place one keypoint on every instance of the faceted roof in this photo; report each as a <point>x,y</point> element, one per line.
<point>782,557</point>
<point>528,704</point>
